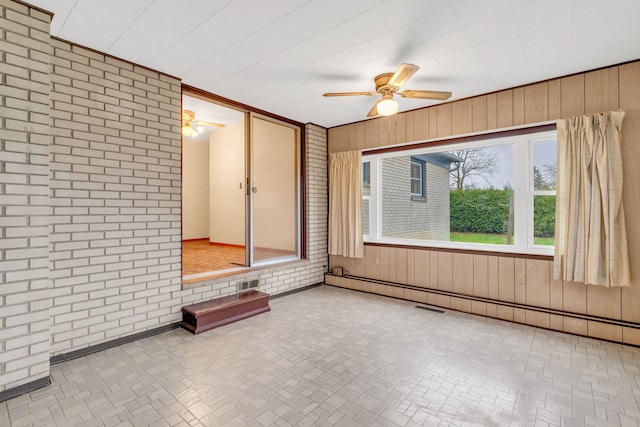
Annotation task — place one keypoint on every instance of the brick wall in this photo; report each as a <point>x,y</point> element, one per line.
<point>115,197</point>
<point>24,201</point>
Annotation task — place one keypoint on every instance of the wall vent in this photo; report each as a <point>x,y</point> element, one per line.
<point>247,285</point>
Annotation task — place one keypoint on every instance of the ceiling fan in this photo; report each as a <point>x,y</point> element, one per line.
<point>192,127</point>
<point>388,84</point>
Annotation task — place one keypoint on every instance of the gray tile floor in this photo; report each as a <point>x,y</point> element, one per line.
<point>330,356</point>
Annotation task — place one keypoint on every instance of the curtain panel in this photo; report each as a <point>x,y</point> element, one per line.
<point>591,240</point>
<point>345,204</point>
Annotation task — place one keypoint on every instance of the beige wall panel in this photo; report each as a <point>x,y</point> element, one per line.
<point>505,108</point>
<point>383,256</point>
<point>397,292</point>
<point>536,103</point>
<point>631,336</point>
<point>401,268</point>
<point>492,111</point>
<point>518,106</point>
<point>538,319</point>
<point>359,139</point>
<point>431,298</point>
<point>480,276</point>
<point>420,124</point>
<point>411,267</point>
<point>461,304</point>
<point>408,294</point>
<point>400,123</point>
<point>443,115</point>
<point>357,285</point>
<point>368,287</point>
<point>383,131</point>
<point>630,103</point>
<point>433,283</point>
<point>443,301</point>
<point>372,133</point>
<point>574,297</point>
<point>493,277</point>
<point>333,260</point>
<point>330,280</point>
<point>421,266</point>
<point>492,310</point>
<point>555,99</point>
<point>461,117</point>
<point>604,331</point>
<point>409,118</point>
<point>445,271</point>
<point>555,290</point>
<point>420,296</point>
<point>463,273</point>
<point>371,266</point>
<point>332,144</point>
<point>556,322</point>
<point>604,302</point>
<point>359,267</point>
<point>601,90</point>
<point>479,113</point>
<point>506,273</point>
<point>479,307</point>
<point>538,292</point>
<point>572,95</point>
<point>393,265</point>
<point>344,138</point>
<point>433,123</point>
<point>519,315</point>
<point>575,326</point>
<point>520,281</point>
<point>504,313</point>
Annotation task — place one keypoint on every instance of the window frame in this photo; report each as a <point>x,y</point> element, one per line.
<point>422,179</point>
<point>522,143</point>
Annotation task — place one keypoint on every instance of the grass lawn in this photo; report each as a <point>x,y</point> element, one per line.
<point>496,239</point>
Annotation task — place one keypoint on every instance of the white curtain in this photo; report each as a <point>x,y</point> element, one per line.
<point>591,239</point>
<point>345,204</point>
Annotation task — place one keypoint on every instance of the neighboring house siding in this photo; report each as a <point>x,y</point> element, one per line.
<point>414,219</point>
<point>24,195</point>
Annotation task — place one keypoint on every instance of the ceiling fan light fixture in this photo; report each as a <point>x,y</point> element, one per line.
<point>187,130</point>
<point>387,106</point>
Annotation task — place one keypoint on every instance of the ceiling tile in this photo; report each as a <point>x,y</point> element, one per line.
<point>471,11</point>
<point>492,28</point>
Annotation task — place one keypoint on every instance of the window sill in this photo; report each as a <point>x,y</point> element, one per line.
<point>190,282</point>
<point>418,199</point>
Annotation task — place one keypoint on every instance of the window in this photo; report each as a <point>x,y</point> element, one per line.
<point>495,194</point>
<point>417,178</point>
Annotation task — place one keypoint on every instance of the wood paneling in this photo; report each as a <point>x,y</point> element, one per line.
<point>422,268</point>
<point>506,268</point>
<point>401,267</point>
<point>492,275</point>
<point>536,103</point>
<point>572,93</point>
<point>480,276</point>
<point>505,108</point>
<point>433,122</point>
<point>520,285</point>
<point>401,128</point>
<point>555,99</point>
<point>479,113</point>
<point>630,104</point>
<point>372,133</point>
<point>492,111</point>
<point>411,267</point>
<point>371,261</point>
<point>443,116</point>
<point>604,302</point>
<point>359,142</point>
<point>463,273</point>
<point>461,117</point>
<point>601,90</point>
<point>332,144</point>
<point>518,106</point>
<point>393,265</point>
<point>537,273</point>
<point>574,297</point>
<point>445,270</point>
<point>420,124</point>
<point>383,256</point>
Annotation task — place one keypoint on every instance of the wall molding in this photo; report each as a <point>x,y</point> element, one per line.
<point>24,388</point>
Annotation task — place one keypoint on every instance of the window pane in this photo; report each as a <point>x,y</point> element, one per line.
<point>366,178</point>
<point>544,220</point>
<point>365,217</point>
<point>544,165</point>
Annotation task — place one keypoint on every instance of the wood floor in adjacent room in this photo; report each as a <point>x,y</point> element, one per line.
<point>200,256</point>
<point>329,356</point>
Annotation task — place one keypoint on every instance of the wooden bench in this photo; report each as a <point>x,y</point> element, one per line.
<point>202,316</point>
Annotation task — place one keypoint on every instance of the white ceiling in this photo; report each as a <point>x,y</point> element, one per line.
<point>281,55</point>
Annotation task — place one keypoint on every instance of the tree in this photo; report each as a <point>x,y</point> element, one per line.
<point>544,179</point>
<point>475,162</point>
<point>538,180</point>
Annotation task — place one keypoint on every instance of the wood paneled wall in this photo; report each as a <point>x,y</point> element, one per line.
<point>507,278</point>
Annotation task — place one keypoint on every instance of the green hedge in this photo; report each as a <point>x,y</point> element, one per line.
<point>487,211</point>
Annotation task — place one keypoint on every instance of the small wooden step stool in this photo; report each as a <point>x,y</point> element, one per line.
<point>202,316</point>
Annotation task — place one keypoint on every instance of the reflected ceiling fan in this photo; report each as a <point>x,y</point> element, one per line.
<point>193,127</point>
<point>388,84</point>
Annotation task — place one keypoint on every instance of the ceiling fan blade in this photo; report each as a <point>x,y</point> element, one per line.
<point>425,94</point>
<point>210,124</point>
<point>349,93</point>
<point>374,110</point>
<point>404,72</point>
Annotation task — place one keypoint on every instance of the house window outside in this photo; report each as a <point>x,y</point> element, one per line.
<point>417,179</point>
<point>366,193</point>
<point>494,194</point>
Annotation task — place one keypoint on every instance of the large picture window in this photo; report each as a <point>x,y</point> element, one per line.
<point>495,194</point>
